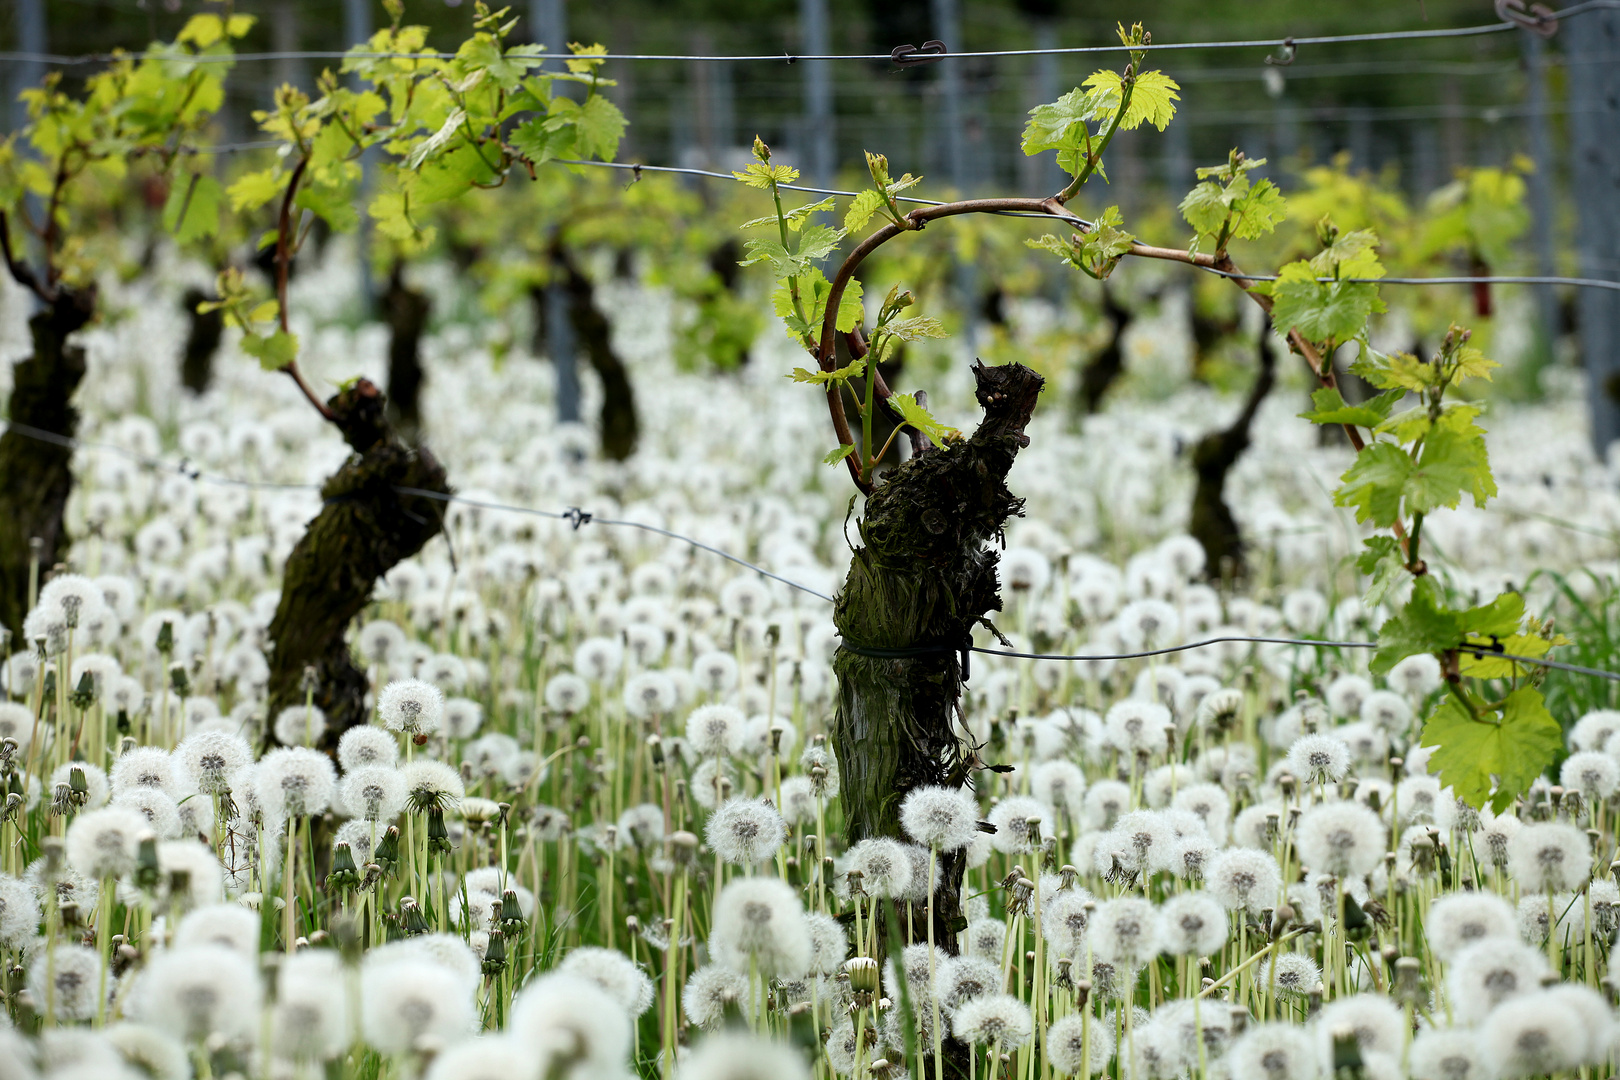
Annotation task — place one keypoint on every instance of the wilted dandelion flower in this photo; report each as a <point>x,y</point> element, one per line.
<point>102,843</point>
<point>1319,759</point>
<point>431,785</point>
<point>1345,839</point>
<point>412,706</point>
<point>1244,878</point>
<point>620,977</point>
<point>1067,1041</point>
<point>1000,1021</point>
<point>1192,924</point>
<point>577,1029</point>
<point>68,977</point>
<point>715,730</point>
<point>759,925</point>
<point>1125,930</point>
<point>1549,856</point>
<point>1139,727</point>
<point>210,757</point>
<point>1490,971</point>
<point>744,831</point>
<point>1012,816</point>
<point>710,990</point>
<point>817,756</point>
<point>294,781</point>
<point>201,991</point>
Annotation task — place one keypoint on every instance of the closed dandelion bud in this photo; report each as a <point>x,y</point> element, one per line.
<point>387,853</point>
<point>1346,1053</point>
<point>412,918</point>
<point>1408,981</point>
<point>863,974</point>
<point>344,874</point>
<point>146,863</point>
<point>179,681</point>
<point>495,953</point>
<point>512,921</point>
<point>683,847</point>
<point>84,694</point>
<point>438,835</point>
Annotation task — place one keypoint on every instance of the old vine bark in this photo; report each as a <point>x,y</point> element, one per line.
<point>1213,456</point>
<point>202,341</point>
<point>923,577</point>
<point>407,311</point>
<point>620,426</point>
<point>366,526</point>
<point>36,475</point>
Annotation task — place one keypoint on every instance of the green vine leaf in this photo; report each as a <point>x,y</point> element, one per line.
<point>1495,758</point>
<point>1153,98</point>
<point>1322,311</point>
<point>852,370</point>
<point>1332,409</point>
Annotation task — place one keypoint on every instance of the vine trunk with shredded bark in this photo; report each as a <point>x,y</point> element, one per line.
<point>36,475</point>
<point>923,576</point>
<point>620,425</point>
<point>407,310</point>
<point>1213,456</point>
<point>367,525</point>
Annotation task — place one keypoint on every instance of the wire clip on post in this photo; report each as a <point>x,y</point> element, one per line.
<point>577,517</point>
<point>929,52</point>
<point>1538,18</point>
<point>1289,50</point>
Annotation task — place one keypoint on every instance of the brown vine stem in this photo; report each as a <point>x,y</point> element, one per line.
<point>283,271</point>
<point>1053,206</point>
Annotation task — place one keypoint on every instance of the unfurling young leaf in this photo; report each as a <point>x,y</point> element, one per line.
<point>1153,98</point>
<point>835,456</point>
<point>921,419</point>
<point>852,370</point>
<point>1332,409</point>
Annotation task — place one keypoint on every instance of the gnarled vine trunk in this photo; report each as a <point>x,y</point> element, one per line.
<point>620,426</point>
<point>1108,365</point>
<point>923,577</point>
<point>36,475</point>
<point>1213,456</point>
<point>366,526</point>
<point>407,312</point>
<point>202,341</point>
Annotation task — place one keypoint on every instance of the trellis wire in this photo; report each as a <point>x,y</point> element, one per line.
<point>911,58</point>
<point>579,517</point>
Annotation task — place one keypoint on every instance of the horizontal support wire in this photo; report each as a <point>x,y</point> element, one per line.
<point>579,517</point>
<point>1290,43</point>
